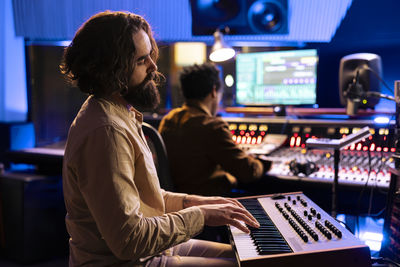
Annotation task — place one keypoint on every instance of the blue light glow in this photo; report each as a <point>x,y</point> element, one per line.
<point>381,120</point>
<point>372,236</point>
<point>341,217</point>
<point>373,245</point>
<point>372,239</point>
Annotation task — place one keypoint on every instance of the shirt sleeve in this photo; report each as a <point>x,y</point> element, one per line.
<point>106,179</point>
<point>225,152</point>
<point>173,201</point>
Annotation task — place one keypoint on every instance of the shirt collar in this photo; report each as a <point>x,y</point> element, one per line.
<point>197,104</point>
<point>138,116</point>
<point>133,113</point>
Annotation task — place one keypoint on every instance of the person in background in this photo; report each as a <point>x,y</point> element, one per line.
<point>117,214</point>
<point>202,155</point>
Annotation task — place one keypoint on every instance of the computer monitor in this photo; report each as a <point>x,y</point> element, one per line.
<point>277,78</point>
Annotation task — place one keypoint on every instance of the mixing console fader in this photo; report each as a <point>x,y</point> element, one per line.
<point>356,168</point>
<point>364,163</point>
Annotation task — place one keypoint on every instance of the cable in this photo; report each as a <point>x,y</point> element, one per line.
<point>387,126</point>
<point>381,164</point>
<point>371,194</point>
<point>379,77</point>
<point>345,225</point>
<point>381,260</point>
<point>378,214</point>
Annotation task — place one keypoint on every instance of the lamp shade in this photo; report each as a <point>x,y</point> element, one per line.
<point>220,51</point>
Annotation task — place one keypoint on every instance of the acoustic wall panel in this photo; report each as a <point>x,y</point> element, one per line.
<point>309,20</point>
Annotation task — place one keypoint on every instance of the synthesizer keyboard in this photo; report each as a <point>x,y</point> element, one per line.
<point>294,231</point>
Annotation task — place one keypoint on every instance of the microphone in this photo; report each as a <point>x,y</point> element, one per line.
<point>353,94</point>
<point>352,107</point>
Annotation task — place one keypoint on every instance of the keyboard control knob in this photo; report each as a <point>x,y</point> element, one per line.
<point>313,211</point>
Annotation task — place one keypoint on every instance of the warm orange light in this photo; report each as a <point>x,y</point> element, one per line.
<point>298,141</point>
<point>372,147</point>
<point>259,139</point>
<point>292,141</point>
<point>248,141</point>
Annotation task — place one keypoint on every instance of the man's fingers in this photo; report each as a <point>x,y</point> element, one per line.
<point>246,219</point>
<point>240,226</point>
<point>237,203</point>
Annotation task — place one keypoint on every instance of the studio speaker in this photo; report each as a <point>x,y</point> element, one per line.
<point>242,17</point>
<point>369,68</point>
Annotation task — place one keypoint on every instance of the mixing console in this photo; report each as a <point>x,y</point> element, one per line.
<point>354,167</point>
<point>361,164</point>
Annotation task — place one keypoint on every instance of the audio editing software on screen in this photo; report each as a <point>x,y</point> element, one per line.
<point>277,78</point>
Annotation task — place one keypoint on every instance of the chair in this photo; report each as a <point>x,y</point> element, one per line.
<point>160,157</point>
<point>157,147</point>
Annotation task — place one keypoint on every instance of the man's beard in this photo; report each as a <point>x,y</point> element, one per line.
<point>145,95</point>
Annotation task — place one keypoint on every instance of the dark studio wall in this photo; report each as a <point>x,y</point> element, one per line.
<point>370,26</point>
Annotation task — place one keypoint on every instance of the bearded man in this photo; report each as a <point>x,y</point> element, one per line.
<point>117,214</point>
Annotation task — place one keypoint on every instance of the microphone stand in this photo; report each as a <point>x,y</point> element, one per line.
<point>396,155</point>
<point>388,231</point>
<point>337,145</point>
<point>336,159</point>
<point>355,94</point>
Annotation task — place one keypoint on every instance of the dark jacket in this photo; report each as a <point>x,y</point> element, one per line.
<point>202,155</point>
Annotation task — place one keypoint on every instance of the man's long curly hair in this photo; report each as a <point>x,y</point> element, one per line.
<point>100,58</point>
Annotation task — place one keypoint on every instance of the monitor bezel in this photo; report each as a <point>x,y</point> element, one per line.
<point>308,105</point>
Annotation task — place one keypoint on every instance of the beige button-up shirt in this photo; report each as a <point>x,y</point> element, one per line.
<point>117,214</point>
